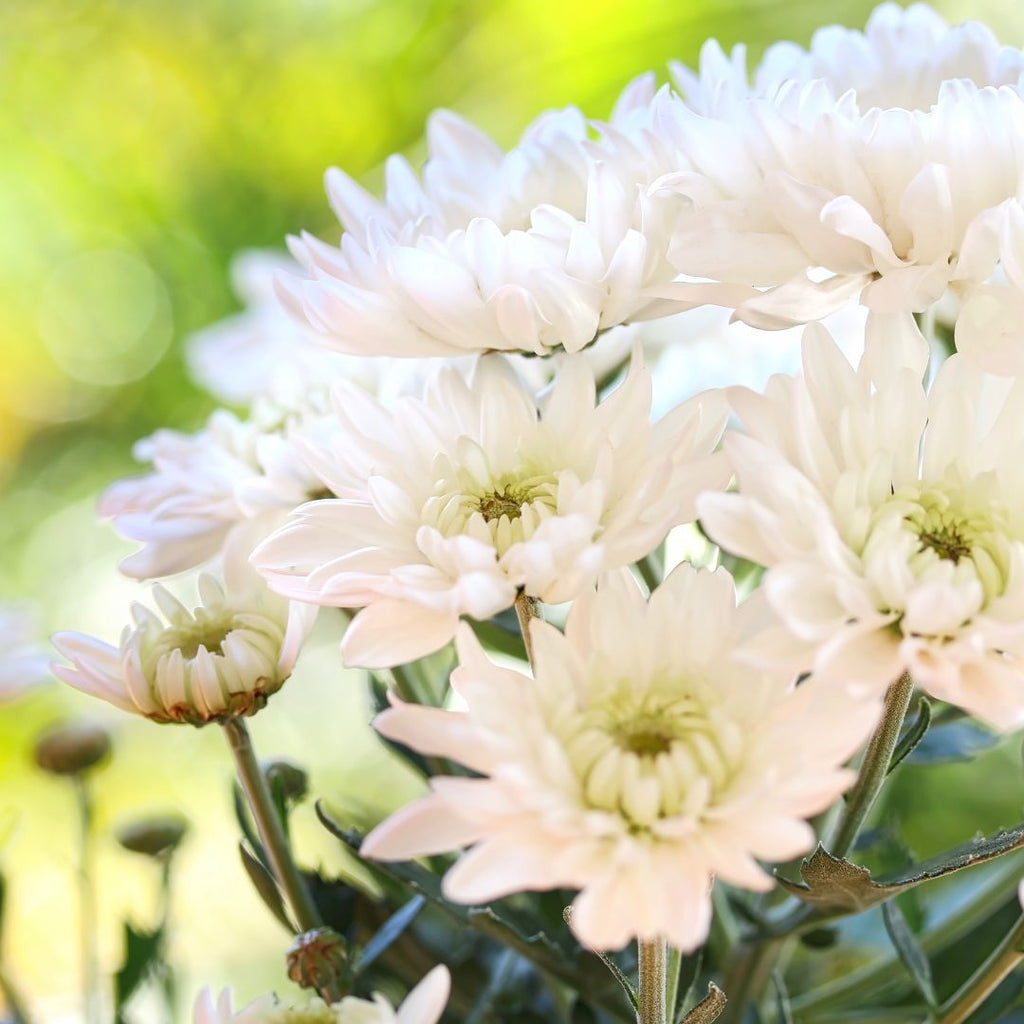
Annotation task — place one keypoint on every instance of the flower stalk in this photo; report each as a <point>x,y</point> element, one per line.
<point>268,824</point>
<point>874,767</point>
<point>651,987</point>
<point>1007,956</point>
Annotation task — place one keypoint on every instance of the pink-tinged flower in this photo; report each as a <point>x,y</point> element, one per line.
<point>235,480</point>
<point>221,660</point>
<point>865,162</point>
<point>891,521</point>
<point>536,250</point>
<point>23,664</point>
<point>423,1005</point>
<point>640,762</point>
<point>452,503</point>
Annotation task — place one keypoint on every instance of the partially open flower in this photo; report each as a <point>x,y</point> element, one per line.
<point>219,661</point>
<point>423,1005</point>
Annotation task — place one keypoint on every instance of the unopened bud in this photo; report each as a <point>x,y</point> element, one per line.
<point>290,778</point>
<point>155,837</point>
<point>318,959</point>
<point>72,749</point>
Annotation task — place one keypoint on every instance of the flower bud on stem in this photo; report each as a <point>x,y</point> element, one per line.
<point>261,803</point>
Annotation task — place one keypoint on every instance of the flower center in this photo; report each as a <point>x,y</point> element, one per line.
<point>205,631</point>
<point>507,502</point>
<point>652,755</point>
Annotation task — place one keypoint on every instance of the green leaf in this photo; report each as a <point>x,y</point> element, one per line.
<point>266,887</point>
<point>836,887</point>
<point>709,1008</point>
<point>958,740</point>
<point>913,734</point>
<point>142,956</point>
<point>783,1011</point>
<point>390,930</point>
<point>689,975</point>
<point>909,951</point>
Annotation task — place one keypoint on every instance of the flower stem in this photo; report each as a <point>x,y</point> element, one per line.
<point>874,767</point>
<point>1003,959</point>
<point>526,610</point>
<point>257,793</point>
<point>87,902</point>
<point>652,963</point>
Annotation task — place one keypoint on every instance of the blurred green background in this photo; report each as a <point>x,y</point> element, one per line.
<point>143,143</point>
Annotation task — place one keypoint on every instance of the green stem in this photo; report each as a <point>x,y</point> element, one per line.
<point>261,803</point>
<point>986,979</point>
<point>874,767</point>
<point>747,974</point>
<point>87,903</point>
<point>652,963</point>
<point>526,610</point>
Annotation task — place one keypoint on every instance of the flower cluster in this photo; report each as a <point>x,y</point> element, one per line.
<point>559,427</point>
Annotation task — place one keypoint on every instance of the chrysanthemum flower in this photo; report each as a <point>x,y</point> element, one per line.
<point>892,525</point>
<point>423,1005</point>
<point>641,761</point>
<point>533,250</point>
<point>872,155</point>
<point>222,660</point>
<point>234,477</point>
<point>22,662</point>
<point>451,504</point>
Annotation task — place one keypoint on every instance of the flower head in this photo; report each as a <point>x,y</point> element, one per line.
<point>450,504</point>
<point>223,659</point>
<point>230,483</point>
<point>872,155</point>
<point>641,760</point>
<point>423,1005</point>
<point>890,520</point>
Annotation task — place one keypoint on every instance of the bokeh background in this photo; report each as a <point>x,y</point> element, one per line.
<point>143,143</point>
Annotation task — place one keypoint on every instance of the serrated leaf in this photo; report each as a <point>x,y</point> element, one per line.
<point>913,734</point>
<point>265,886</point>
<point>142,955</point>
<point>835,887</point>
<point>909,951</point>
<point>709,1008</point>
<point>390,930</point>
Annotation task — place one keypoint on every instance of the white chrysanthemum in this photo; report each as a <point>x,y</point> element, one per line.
<point>871,155</point>
<point>423,1005</point>
<point>536,249</point>
<point>23,665</point>
<point>892,523</point>
<point>640,762</point>
<point>235,478</point>
<point>451,504</point>
<point>222,660</point>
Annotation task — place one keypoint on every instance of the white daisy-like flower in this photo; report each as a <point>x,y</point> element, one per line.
<point>423,1005</point>
<point>23,664</point>
<point>231,482</point>
<point>451,504</point>
<point>533,250</point>
<point>865,161</point>
<point>221,660</point>
<point>641,761</point>
<point>891,521</point>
